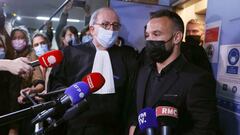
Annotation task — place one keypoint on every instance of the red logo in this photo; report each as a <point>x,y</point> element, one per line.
<point>166,111</point>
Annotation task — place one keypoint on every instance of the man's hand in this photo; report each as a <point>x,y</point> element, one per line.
<point>20,67</point>
<point>22,98</point>
<point>17,66</point>
<point>68,6</point>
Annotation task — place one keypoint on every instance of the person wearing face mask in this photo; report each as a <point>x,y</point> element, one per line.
<point>69,36</point>
<point>169,77</point>
<point>85,35</point>
<point>192,48</point>
<point>5,36</point>
<point>108,107</point>
<point>34,83</point>
<point>17,66</point>
<point>41,45</point>
<point>195,32</point>
<point>9,85</point>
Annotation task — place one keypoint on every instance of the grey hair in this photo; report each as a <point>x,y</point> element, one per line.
<point>198,22</point>
<point>43,35</point>
<point>93,18</point>
<point>25,31</point>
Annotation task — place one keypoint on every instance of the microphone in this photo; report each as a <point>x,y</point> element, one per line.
<point>167,117</point>
<point>147,120</point>
<point>91,83</point>
<point>49,59</point>
<point>49,94</point>
<point>95,80</point>
<point>72,95</point>
<point>68,115</point>
<point>21,114</point>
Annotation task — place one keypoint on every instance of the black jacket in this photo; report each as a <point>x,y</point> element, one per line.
<point>108,110</point>
<point>191,90</point>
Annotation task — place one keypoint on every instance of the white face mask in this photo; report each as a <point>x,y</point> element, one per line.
<point>106,38</point>
<point>41,49</point>
<point>2,53</point>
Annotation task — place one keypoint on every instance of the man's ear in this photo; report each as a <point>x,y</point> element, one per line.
<point>178,37</point>
<point>91,30</point>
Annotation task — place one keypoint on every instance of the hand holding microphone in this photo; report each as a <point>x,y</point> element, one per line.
<point>94,80</point>
<point>48,59</point>
<point>75,94</point>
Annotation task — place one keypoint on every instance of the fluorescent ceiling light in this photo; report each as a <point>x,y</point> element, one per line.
<point>55,19</point>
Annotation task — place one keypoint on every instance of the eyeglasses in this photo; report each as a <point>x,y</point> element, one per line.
<point>106,25</point>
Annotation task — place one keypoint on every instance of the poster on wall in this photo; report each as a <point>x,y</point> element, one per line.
<point>228,78</point>
<point>212,36</point>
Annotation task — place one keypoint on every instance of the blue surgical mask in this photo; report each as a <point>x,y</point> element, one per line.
<point>106,38</point>
<point>86,38</point>
<point>2,53</point>
<point>41,49</point>
<point>72,41</point>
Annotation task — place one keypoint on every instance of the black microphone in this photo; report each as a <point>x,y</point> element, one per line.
<point>167,116</point>
<point>76,109</point>
<point>74,94</point>
<point>50,94</point>
<point>21,114</point>
<point>68,115</point>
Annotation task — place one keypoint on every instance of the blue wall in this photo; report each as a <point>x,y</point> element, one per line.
<point>227,11</point>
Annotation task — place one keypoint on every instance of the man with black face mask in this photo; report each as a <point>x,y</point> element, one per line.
<point>195,32</point>
<point>193,49</point>
<point>169,77</point>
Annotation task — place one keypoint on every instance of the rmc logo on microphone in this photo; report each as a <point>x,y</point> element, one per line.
<point>166,111</point>
<point>90,83</point>
<point>141,118</point>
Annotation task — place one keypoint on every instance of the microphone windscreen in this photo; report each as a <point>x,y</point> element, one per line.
<point>147,119</point>
<point>51,58</point>
<point>167,114</point>
<point>77,92</point>
<point>95,81</point>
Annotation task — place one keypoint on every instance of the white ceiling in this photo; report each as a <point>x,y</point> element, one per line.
<point>28,9</point>
<point>34,8</point>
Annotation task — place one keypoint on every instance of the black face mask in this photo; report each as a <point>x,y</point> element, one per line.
<point>193,40</point>
<point>157,51</point>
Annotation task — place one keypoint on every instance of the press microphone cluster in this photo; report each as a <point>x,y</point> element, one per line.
<point>164,118</point>
<point>94,80</point>
<point>74,94</point>
<point>48,59</point>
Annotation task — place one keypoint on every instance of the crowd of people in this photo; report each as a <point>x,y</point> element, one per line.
<point>167,69</point>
